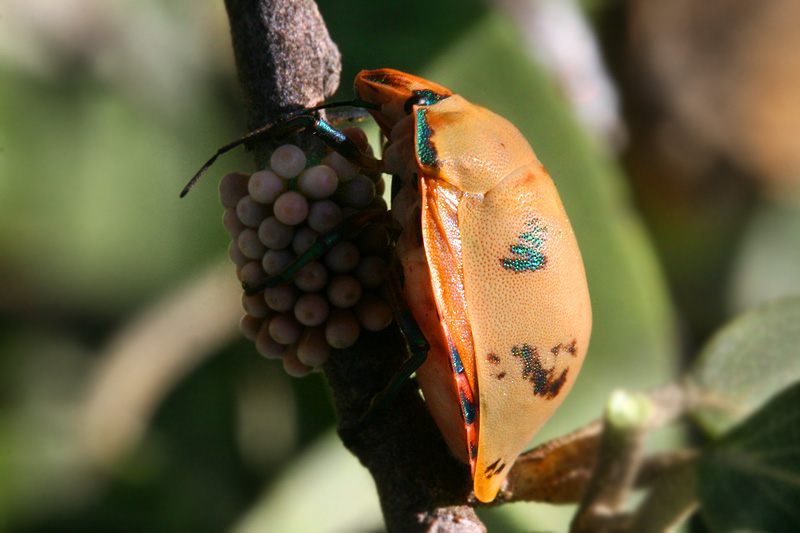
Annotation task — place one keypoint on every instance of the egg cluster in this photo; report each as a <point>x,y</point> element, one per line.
<point>276,214</point>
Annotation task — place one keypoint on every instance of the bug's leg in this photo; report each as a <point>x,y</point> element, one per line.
<point>345,146</point>
<point>334,138</point>
<point>417,344</point>
<point>338,140</point>
<point>347,229</point>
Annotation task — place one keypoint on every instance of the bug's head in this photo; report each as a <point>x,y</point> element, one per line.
<point>396,94</point>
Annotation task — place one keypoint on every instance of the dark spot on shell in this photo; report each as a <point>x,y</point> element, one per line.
<point>572,348</point>
<point>427,154</point>
<point>545,382</point>
<point>494,468</point>
<point>554,386</point>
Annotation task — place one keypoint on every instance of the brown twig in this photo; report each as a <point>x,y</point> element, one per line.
<point>599,464</point>
<point>559,471</point>
<point>285,60</point>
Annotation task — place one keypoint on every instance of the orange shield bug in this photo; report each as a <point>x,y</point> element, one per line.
<point>492,271</point>
<point>493,274</point>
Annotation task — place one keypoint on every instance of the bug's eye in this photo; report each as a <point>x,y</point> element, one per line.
<point>416,99</point>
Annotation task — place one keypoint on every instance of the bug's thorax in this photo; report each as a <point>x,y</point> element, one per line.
<point>390,90</point>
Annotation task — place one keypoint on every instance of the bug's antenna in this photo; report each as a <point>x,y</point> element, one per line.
<point>227,148</point>
<point>351,103</point>
<point>266,129</point>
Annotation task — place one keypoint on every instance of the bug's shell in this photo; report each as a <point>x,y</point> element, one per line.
<point>492,269</point>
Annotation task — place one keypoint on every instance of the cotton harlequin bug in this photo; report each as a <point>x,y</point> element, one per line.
<point>492,271</point>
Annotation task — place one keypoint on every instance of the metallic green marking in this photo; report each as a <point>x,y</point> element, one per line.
<point>426,151</point>
<point>527,255</point>
<point>455,358</point>
<point>430,96</point>
<point>468,408</point>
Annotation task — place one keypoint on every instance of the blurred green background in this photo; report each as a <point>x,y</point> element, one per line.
<point>128,400</point>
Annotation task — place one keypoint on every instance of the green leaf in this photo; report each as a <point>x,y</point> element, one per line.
<point>746,363</point>
<point>750,479</point>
